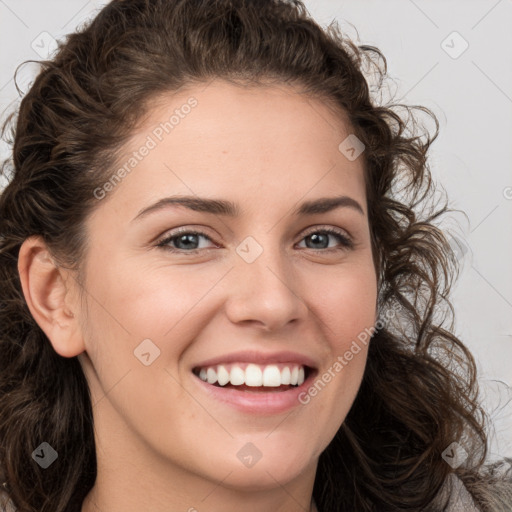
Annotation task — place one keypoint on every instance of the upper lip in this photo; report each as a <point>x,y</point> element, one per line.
<point>257,357</point>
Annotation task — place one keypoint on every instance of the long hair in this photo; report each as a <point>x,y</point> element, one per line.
<point>419,392</point>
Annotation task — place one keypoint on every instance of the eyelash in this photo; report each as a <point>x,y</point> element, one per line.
<point>345,241</point>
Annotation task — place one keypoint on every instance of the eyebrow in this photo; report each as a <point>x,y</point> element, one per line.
<point>230,209</point>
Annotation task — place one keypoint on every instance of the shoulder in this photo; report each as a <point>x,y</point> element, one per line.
<point>491,492</point>
<point>459,497</point>
<point>6,503</point>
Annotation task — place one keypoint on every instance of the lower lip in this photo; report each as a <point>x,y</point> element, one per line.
<point>258,402</point>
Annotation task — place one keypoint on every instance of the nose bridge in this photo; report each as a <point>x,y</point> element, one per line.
<point>265,288</point>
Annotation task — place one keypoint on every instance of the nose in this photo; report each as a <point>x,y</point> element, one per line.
<point>265,292</point>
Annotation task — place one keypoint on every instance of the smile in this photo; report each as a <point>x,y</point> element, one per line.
<point>253,375</point>
<point>250,388</point>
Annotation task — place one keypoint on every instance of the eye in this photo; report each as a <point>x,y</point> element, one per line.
<point>183,241</point>
<point>320,237</point>
<point>187,241</point>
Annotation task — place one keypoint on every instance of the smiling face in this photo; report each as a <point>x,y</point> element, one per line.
<point>242,274</point>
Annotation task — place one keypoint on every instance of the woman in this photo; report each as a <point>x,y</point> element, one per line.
<point>200,237</point>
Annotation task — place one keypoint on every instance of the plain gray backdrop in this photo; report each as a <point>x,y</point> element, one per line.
<point>453,57</point>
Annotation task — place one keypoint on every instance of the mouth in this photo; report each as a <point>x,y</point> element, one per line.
<point>255,382</point>
<point>255,378</point>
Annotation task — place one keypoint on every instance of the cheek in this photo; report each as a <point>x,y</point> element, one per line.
<point>347,313</point>
<point>346,306</point>
<point>125,309</point>
<point>148,302</point>
<point>128,307</point>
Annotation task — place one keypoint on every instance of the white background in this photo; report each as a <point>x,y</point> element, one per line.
<point>470,92</point>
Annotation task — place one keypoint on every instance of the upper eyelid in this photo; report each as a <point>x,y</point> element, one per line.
<point>313,229</point>
<point>202,231</point>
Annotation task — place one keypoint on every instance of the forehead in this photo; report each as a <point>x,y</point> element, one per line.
<point>264,111</point>
<point>219,138</point>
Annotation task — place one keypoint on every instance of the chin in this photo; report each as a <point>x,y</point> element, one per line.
<point>271,465</point>
<point>262,477</point>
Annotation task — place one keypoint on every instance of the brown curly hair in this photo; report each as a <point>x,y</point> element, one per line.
<point>419,391</point>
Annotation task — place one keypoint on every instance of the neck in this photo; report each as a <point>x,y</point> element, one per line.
<point>260,501</point>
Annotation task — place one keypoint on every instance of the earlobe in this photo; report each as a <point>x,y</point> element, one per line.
<point>46,288</point>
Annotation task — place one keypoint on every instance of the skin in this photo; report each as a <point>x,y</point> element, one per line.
<point>162,444</point>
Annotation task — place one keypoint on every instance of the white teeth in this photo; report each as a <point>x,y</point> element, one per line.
<point>285,375</point>
<point>222,375</point>
<point>211,376</point>
<point>253,376</point>
<point>295,376</point>
<point>271,375</point>
<point>300,378</point>
<point>236,376</point>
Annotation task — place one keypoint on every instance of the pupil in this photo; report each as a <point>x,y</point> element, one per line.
<point>317,237</point>
<point>189,238</point>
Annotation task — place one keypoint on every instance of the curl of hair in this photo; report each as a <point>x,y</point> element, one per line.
<point>419,391</point>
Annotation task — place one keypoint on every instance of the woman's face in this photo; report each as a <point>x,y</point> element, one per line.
<point>262,288</point>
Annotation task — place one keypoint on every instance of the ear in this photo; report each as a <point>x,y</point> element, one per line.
<point>49,291</point>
